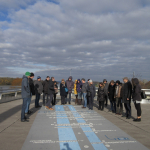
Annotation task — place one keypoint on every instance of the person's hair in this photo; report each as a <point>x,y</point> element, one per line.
<point>112,81</point>
<point>47,77</point>
<point>101,84</point>
<point>125,78</point>
<point>31,74</point>
<point>63,81</point>
<point>52,78</point>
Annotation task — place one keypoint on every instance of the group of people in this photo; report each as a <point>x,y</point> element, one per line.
<point>116,92</point>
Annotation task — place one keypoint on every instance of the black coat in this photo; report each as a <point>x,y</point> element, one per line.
<point>31,84</point>
<point>136,90</point>
<point>127,92</point>
<point>111,90</point>
<point>45,86</point>
<point>101,94</point>
<point>51,88</point>
<point>91,89</point>
<point>62,90</point>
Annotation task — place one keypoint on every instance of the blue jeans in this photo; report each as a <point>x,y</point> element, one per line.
<point>37,100</point>
<point>79,95</point>
<point>28,104</point>
<point>69,98</point>
<point>24,105</point>
<point>85,99</point>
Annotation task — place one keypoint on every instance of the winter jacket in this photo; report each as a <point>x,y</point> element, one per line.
<point>84,87</point>
<point>101,94</point>
<point>51,89</point>
<point>127,92</point>
<point>62,90</point>
<point>38,87</point>
<point>69,85</point>
<point>55,86</point>
<point>45,86</point>
<point>136,90</point>
<point>25,88</point>
<point>106,88</point>
<point>31,84</point>
<point>119,91</point>
<point>75,88</point>
<point>79,86</point>
<point>91,89</point>
<point>111,90</point>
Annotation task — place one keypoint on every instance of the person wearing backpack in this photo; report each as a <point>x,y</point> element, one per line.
<point>84,91</point>
<point>101,96</point>
<point>63,92</point>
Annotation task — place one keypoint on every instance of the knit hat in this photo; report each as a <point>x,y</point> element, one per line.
<point>90,81</point>
<point>104,80</point>
<point>118,81</point>
<point>27,74</point>
<point>83,79</point>
<point>31,74</point>
<point>38,77</point>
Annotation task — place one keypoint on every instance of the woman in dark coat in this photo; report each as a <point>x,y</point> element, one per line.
<point>111,91</point>
<point>91,90</point>
<point>137,98</point>
<point>63,92</point>
<point>101,96</point>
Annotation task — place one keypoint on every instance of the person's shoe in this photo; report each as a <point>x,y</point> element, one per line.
<point>128,117</point>
<point>39,106</point>
<point>83,107</point>
<point>137,120</point>
<point>24,120</point>
<point>36,106</point>
<point>69,102</point>
<point>51,109</point>
<point>46,107</point>
<point>43,104</point>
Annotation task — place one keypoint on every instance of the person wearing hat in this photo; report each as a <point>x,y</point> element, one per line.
<point>45,89</point>
<point>111,91</point>
<point>38,91</point>
<point>127,92</point>
<point>119,108</point>
<point>91,94</point>
<point>25,93</point>
<point>32,92</point>
<point>106,91</point>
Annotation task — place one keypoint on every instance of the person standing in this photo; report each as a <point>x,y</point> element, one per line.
<point>101,96</point>
<point>32,92</point>
<point>111,91</point>
<point>75,92</point>
<point>55,93</point>
<point>84,91</point>
<point>38,91</point>
<point>51,91</point>
<point>70,86</point>
<point>127,92</point>
<point>87,96</point>
<point>79,91</point>
<point>25,92</point>
<point>91,93</point>
<point>62,91</point>
<point>137,98</point>
<point>106,91</point>
<point>45,89</point>
<point>119,108</point>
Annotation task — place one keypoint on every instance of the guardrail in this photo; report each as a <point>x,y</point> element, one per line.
<point>14,93</point>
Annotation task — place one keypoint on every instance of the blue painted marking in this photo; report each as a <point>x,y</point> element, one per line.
<point>66,134</point>
<point>92,137</point>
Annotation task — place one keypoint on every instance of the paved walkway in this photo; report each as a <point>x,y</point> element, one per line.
<point>70,127</point>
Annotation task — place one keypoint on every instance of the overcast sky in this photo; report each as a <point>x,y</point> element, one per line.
<point>97,39</point>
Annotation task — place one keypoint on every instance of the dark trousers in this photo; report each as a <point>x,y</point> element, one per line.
<point>62,99</point>
<point>69,98</point>
<point>45,96</point>
<point>119,108</point>
<point>49,101</point>
<point>87,100</point>
<point>113,106</point>
<point>91,99</point>
<point>138,108</point>
<point>101,105</point>
<point>106,100</point>
<point>128,109</point>
<point>37,98</point>
<point>24,105</point>
<point>54,100</point>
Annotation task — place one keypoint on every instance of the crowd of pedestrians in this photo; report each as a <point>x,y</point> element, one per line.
<point>117,93</point>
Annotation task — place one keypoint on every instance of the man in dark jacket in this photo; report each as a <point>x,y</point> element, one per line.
<point>51,91</point>
<point>106,91</point>
<point>25,92</point>
<point>38,91</point>
<point>70,86</point>
<point>111,91</point>
<point>127,92</point>
<point>45,89</point>
<point>32,92</point>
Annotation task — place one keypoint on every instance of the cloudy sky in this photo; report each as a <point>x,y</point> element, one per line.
<point>97,39</point>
